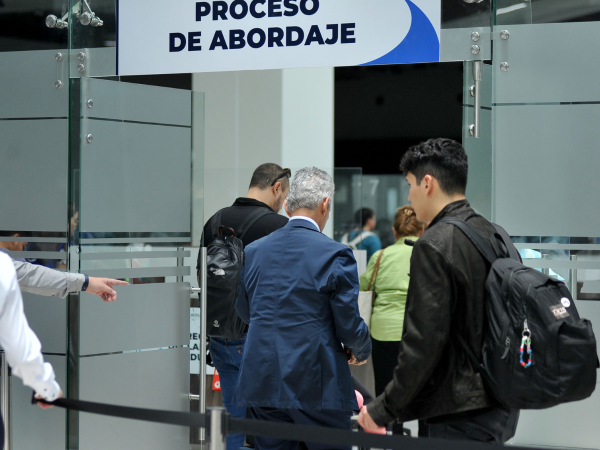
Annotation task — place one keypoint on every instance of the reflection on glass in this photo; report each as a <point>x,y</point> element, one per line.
<point>460,14</point>
<point>512,12</point>
<point>556,11</point>
<point>346,200</point>
<point>23,28</point>
<point>93,24</point>
<point>561,248</point>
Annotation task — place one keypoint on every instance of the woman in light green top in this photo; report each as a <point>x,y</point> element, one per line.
<point>391,286</point>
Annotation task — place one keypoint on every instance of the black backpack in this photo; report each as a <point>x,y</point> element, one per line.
<point>225,259</point>
<point>537,351</point>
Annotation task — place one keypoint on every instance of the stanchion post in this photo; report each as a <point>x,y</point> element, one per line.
<point>179,278</point>
<point>217,429</point>
<point>573,273</point>
<point>546,270</point>
<point>202,362</point>
<point>5,389</point>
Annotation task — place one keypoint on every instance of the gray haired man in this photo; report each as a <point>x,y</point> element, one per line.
<point>299,295</point>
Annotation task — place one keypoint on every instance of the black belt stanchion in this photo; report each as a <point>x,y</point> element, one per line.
<point>219,425</point>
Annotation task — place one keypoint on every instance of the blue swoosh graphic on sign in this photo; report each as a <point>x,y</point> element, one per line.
<point>421,44</point>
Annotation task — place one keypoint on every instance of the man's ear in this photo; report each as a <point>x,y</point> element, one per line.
<point>325,205</point>
<point>287,211</point>
<point>428,180</point>
<point>276,188</point>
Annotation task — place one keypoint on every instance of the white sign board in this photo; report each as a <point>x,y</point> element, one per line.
<point>184,36</point>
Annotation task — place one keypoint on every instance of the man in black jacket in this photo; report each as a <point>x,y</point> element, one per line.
<point>434,378</point>
<point>268,189</point>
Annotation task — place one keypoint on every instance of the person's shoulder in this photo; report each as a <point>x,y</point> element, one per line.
<point>372,238</point>
<point>5,260</point>
<point>7,270</point>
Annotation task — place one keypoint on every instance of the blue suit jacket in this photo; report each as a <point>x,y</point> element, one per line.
<point>299,294</point>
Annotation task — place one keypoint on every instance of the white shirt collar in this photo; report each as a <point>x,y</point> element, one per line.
<point>308,219</point>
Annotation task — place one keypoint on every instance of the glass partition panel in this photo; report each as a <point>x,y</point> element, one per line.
<point>543,66</point>
<point>544,142</point>
<point>144,379</point>
<point>33,427</point>
<point>131,220</point>
<point>347,201</point>
<point>384,194</point>
<point>34,190</point>
<point>465,33</point>
<point>93,38</point>
<point>479,150</point>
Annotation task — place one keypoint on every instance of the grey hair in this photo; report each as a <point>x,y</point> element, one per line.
<point>309,188</point>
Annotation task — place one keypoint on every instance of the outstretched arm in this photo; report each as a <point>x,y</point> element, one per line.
<point>44,281</point>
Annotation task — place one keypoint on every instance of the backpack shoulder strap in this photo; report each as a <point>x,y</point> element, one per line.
<point>361,236</point>
<point>213,229</point>
<point>483,247</point>
<point>252,218</point>
<point>512,251</point>
<point>468,350</point>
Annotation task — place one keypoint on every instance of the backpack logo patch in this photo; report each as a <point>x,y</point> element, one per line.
<point>219,272</point>
<point>566,302</point>
<point>559,311</point>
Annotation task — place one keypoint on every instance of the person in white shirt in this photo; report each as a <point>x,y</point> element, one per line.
<point>21,346</point>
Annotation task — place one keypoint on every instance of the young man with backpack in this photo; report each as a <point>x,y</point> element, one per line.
<point>247,220</point>
<point>435,379</point>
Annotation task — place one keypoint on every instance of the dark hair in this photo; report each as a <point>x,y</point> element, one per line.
<point>265,174</point>
<point>406,223</point>
<point>363,215</point>
<point>443,159</point>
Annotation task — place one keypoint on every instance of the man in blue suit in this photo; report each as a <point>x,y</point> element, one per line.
<point>298,293</point>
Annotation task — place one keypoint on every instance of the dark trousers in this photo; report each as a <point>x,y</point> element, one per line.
<point>385,360</point>
<point>495,426</point>
<point>326,418</point>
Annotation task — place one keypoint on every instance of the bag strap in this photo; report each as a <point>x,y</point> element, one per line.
<point>488,253</point>
<point>252,218</point>
<point>470,353</point>
<point>375,271</point>
<point>215,224</point>
<point>362,235</point>
<point>483,247</point>
<point>512,251</point>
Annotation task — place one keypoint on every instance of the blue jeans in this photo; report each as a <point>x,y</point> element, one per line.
<point>227,355</point>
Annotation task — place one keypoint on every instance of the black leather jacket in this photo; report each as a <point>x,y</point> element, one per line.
<point>434,376</point>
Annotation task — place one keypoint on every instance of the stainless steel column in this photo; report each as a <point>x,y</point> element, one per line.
<point>5,389</point>
<point>573,280</point>
<point>179,279</point>
<point>477,77</point>
<point>217,435</point>
<point>202,359</point>
<point>546,270</point>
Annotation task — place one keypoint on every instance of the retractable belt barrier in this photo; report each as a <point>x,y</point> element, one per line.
<point>275,430</point>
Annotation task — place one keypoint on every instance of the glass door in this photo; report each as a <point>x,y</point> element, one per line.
<point>130,171</point>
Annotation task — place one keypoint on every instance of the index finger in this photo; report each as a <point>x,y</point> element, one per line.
<point>112,282</point>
